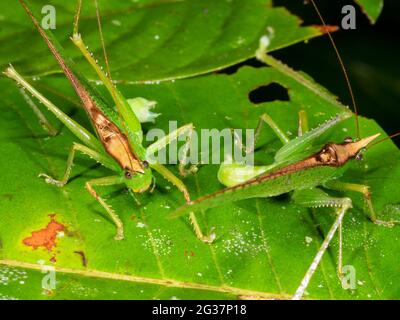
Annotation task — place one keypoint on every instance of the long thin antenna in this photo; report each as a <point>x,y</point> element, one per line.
<point>102,39</point>
<point>341,65</point>
<point>384,139</point>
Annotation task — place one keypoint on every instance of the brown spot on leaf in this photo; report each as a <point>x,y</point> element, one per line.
<point>46,237</point>
<point>83,257</point>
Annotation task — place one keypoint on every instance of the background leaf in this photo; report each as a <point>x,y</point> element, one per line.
<point>155,40</point>
<point>372,8</point>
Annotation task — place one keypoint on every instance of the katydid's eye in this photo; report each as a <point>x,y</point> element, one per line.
<point>359,156</point>
<point>145,164</point>
<point>348,140</point>
<point>128,175</point>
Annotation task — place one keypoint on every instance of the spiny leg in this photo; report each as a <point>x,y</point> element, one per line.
<point>181,187</point>
<point>364,190</point>
<point>80,132</point>
<point>314,198</point>
<point>103,159</point>
<point>107,181</point>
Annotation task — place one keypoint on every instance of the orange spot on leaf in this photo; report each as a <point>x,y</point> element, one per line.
<point>46,237</point>
<point>326,29</point>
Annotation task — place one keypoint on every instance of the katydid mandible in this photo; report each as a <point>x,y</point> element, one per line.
<point>118,145</point>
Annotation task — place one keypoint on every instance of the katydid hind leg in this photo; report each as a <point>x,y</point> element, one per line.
<point>315,198</point>
<point>99,157</point>
<point>79,131</point>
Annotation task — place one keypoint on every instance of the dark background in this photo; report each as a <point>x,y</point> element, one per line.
<point>371,54</point>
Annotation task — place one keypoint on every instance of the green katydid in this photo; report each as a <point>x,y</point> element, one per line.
<point>118,145</point>
<point>296,171</point>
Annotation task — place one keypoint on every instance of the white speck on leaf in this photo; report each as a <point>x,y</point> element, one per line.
<point>140,225</point>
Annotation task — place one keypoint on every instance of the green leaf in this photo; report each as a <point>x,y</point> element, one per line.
<point>152,40</point>
<point>264,246</point>
<point>372,8</point>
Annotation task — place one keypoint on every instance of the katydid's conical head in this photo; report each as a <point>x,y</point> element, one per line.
<point>357,146</point>
<point>334,154</point>
<point>354,149</point>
